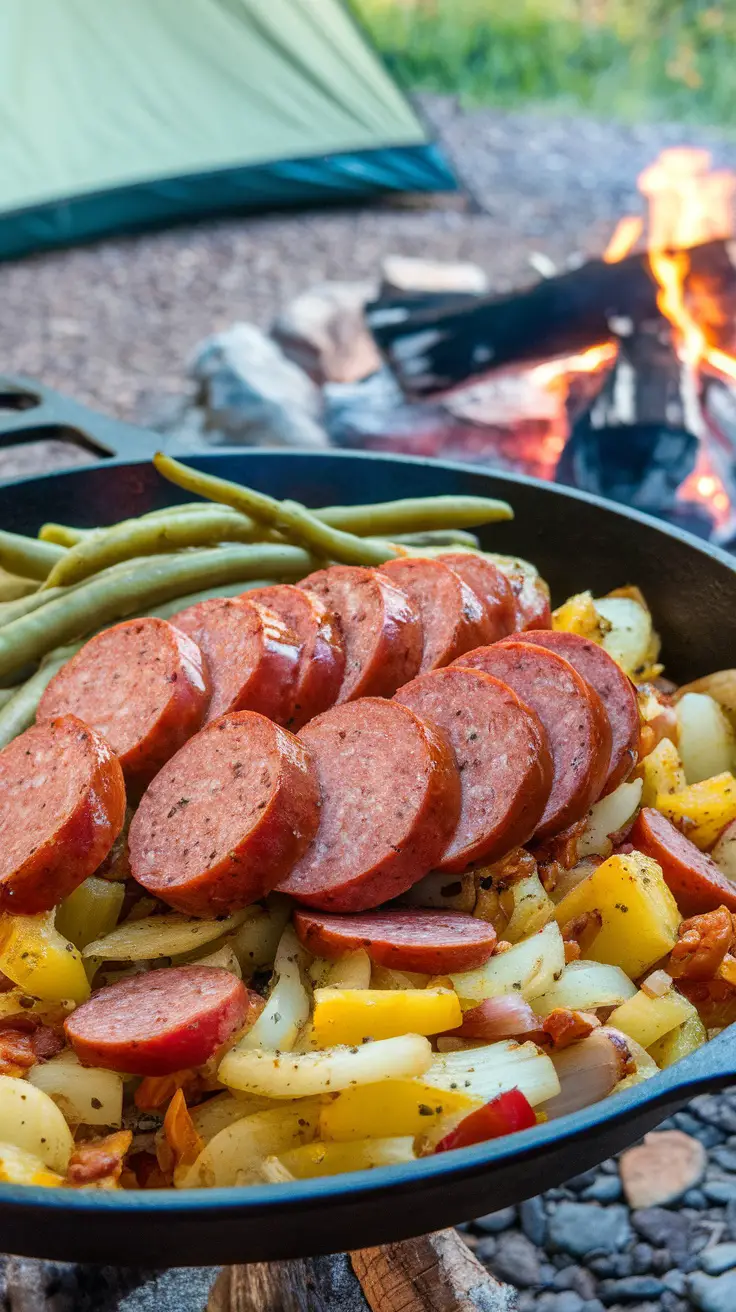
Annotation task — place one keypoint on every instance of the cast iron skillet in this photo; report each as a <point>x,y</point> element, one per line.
<point>577,542</point>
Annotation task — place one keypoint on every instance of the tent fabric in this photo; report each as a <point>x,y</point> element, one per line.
<point>117,114</point>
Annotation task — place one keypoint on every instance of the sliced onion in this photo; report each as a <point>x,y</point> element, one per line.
<point>588,1071</point>
<point>585,986</point>
<point>498,1018</point>
<point>446,892</point>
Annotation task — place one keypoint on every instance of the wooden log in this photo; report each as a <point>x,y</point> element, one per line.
<point>435,344</point>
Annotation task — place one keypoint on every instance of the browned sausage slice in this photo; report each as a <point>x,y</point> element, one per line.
<point>531,599</point>
<point>381,630</point>
<point>390,802</point>
<point>322,659</point>
<point>432,942</point>
<point>490,584</point>
<point>693,877</point>
<point>142,685</point>
<point>614,688</point>
<point>453,618</point>
<point>573,716</point>
<point>62,805</point>
<point>163,1021</point>
<point>252,657</point>
<point>225,820</point>
<point>502,754</point>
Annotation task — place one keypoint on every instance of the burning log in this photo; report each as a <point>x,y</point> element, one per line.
<point>434,344</point>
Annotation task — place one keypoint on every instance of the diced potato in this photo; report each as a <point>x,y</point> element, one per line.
<point>353,971</point>
<point>19,1167</point>
<point>607,817</point>
<point>39,960</point>
<point>531,908</point>
<point>707,745</point>
<point>579,614</point>
<point>85,1095</point>
<point>639,913</point>
<point>528,968</point>
<point>631,639</point>
<point>383,977</point>
<point>647,1019</point>
<point>444,892</point>
<point>702,810</point>
<point>287,1008</point>
<point>315,1159</point>
<point>91,911</point>
<point>721,686</point>
<point>169,935</point>
<point>50,1013</point>
<point>724,851</point>
<point>354,1015</point>
<point>300,1075</point>
<point>399,1107</point>
<point>662,772</point>
<point>482,1072</point>
<point>585,985</point>
<point>234,1153</point>
<point>680,1042</point>
<point>225,1109</point>
<point>30,1120</point>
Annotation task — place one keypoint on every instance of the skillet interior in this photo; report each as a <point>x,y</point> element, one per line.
<point>577,542</point>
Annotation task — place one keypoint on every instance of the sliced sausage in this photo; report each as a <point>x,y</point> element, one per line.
<point>614,688</point>
<point>453,618</point>
<point>531,601</point>
<point>252,657</point>
<point>142,685</point>
<point>490,584</point>
<point>390,801</point>
<point>225,820</point>
<point>431,942</point>
<point>322,658</point>
<point>381,630</point>
<point>159,1022</point>
<point>62,805</point>
<point>502,754</point>
<point>573,717</point>
<point>693,877</point>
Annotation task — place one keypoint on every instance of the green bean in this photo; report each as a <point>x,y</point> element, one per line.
<point>444,538</point>
<point>150,537</point>
<point>6,694</point>
<point>13,587</point>
<point>27,556</point>
<point>297,523</point>
<point>66,536</point>
<point>12,610</point>
<point>132,587</point>
<point>61,535</point>
<point>19,712</point>
<point>416,515</point>
<point>169,608</point>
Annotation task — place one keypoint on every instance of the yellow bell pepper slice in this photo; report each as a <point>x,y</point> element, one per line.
<point>353,1015</point>
<point>314,1159</point>
<point>39,960</point>
<point>393,1108</point>
<point>702,810</point>
<point>639,914</point>
<point>648,1019</point>
<point>20,1167</point>
<point>91,911</point>
<point>680,1042</point>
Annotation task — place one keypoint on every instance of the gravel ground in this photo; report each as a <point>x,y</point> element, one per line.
<point>115,323</point>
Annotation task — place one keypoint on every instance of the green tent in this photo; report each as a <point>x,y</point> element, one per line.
<point>120,114</point>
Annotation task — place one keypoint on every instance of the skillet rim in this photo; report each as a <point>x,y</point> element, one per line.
<point>696,1072</point>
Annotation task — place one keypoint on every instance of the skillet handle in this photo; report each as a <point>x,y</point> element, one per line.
<point>31,412</point>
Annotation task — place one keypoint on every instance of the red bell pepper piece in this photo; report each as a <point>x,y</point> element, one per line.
<point>504,1114</point>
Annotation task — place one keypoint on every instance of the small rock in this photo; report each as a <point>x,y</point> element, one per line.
<point>641,1259</point>
<point>403,273</point>
<point>527,1302</point>
<point>696,1199</point>
<point>485,1249</point>
<point>665,1229</point>
<point>495,1222</point>
<point>324,332</point>
<point>719,1258</point>
<point>516,1260</point>
<point>609,1265</point>
<point>675,1280</point>
<point>661,1261</point>
<point>713,1293</point>
<point>567,1301</point>
<point>708,1135</point>
<point>714,1110</point>
<point>606,1189</point>
<point>630,1290</point>
<point>725,1157</point>
<point>730,1219</point>
<point>582,1181</point>
<point>592,1305</point>
<point>547,1273</point>
<point>534,1220</point>
<point>577,1278</point>
<point>609,1167</point>
<point>662,1169</point>
<point>720,1191</point>
<point>581,1228</point>
<point>671,1303</point>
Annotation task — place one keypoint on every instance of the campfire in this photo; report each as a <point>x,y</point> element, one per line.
<point>617,377</point>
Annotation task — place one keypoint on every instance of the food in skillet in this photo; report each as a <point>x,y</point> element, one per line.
<point>329,866</point>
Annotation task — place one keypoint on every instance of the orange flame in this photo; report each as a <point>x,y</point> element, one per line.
<point>626,234</point>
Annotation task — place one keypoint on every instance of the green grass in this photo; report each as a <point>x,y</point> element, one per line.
<point>629,58</point>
